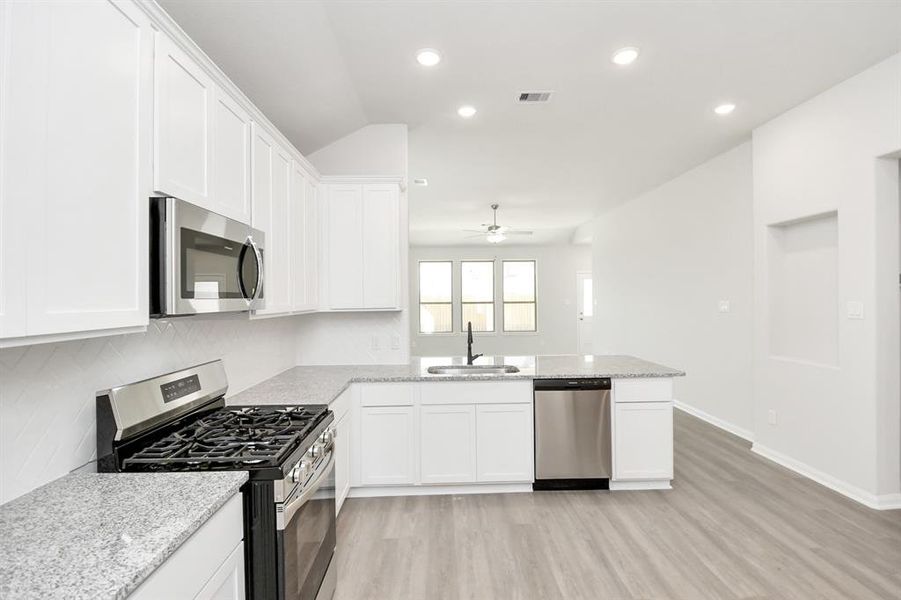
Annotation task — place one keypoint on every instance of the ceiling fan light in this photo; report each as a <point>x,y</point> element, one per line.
<point>495,237</point>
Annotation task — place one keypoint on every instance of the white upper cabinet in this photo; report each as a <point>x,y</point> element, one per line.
<point>298,210</point>
<point>381,248</point>
<point>271,172</point>
<point>362,246</point>
<point>202,137</point>
<point>231,159</point>
<point>184,98</point>
<point>345,246</point>
<point>73,191</point>
<point>311,246</point>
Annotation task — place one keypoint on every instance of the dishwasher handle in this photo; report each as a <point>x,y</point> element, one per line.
<point>550,385</point>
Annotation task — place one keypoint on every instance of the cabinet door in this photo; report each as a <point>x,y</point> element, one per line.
<point>387,445</point>
<point>504,442</point>
<point>381,246</point>
<point>311,245</point>
<point>447,443</point>
<point>298,208</point>
<point>642,440</point>
<point>342,459</point>
<point>271,169</point>
<point>345,246</point>
<point>183,97</point>
<point>227,583</point>
<point>73,181</point>
<point>231,159</point>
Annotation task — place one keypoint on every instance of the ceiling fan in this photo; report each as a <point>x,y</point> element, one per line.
<point>495,233</point>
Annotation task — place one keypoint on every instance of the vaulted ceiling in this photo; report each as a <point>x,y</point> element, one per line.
<point>320,70</point>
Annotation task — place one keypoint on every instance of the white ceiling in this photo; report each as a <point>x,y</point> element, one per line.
<point>323,69</point>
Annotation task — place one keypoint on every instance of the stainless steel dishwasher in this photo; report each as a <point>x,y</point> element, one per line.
<point>572,434</point>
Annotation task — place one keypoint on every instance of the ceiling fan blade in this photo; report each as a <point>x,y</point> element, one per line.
<point>474,231</point>
<point>517,232</point>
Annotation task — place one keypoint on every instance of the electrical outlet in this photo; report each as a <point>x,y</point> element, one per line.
<point>855,309</point>
<point>374,342</point>
<point>724,306</point>
<point>771,417</point>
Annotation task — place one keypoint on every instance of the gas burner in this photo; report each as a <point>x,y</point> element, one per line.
<point>230,438</point>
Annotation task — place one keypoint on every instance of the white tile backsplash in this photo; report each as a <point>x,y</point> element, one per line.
<point>47,409</point>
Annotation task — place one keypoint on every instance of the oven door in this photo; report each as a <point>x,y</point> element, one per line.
<point>306,538</point>
<point>214,264</point>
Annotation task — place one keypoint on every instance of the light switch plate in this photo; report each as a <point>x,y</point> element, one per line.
<point>855,309</point>
<point>724,306</point>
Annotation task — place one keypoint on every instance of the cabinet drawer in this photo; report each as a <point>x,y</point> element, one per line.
<point>643,390</point>
<point>476,392</point>
<point>388,394</point>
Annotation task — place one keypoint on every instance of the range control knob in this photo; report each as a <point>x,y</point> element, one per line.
<point>316,451</point>
<point>299,472</point>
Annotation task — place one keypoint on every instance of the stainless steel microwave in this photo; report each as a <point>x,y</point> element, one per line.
<point>202,262</point>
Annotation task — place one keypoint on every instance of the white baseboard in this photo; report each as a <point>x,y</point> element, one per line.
<point>879,502</point>
<point>438,490</point>
<point>716,421</point>
<point>654,484</point>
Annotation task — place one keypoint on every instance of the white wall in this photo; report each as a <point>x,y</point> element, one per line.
<point>838,423</point>
<point>47,404</point>
<point>662,263</point>
<point>556,269</point>
<point>379,150</point>
<point>363,338</point>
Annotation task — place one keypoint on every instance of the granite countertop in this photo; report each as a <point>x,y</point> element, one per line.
<point>322,384</point>
<point>99,535</point>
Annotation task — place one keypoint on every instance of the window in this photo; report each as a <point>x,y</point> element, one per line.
<point>435,312</point>
<point>477,294</point>
<point>519,295</point>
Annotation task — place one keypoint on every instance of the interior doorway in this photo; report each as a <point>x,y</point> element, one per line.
<point>584,311</point>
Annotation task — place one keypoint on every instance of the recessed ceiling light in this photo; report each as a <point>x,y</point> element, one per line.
<point>466,111</point>
<point>724,109</point>
<point>428,57</point>
<point>625,56</point>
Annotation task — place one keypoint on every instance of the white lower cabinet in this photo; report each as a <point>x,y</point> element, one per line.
<point>447,443</point>
<point>444,433</point>
<point>642,441</point>
<point>209,565</point>
<point>227,583</point>
<point>504,443</point>
<point>343,450</point>
<point>387,448</point>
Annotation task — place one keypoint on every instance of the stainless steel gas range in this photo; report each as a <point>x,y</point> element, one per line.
<point>179,422</point>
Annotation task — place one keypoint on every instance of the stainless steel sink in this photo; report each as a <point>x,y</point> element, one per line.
<point>473,370</point>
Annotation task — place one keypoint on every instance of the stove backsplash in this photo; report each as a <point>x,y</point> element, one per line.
<point>47,412</point>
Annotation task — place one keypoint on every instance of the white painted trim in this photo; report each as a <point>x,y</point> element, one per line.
<point>50,338</point>
<point>715,421</point>
<point>878,502</point>
<point>438,490</point>
<point>652,484</point>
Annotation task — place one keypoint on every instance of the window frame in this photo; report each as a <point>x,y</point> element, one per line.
<point>493,301</point>
<point>420,302</point>
<point>534,300</point>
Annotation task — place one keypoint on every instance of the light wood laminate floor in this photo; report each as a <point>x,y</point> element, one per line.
<point>734,526</point>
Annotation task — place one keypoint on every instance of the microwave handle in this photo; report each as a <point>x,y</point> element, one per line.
<point>259,258</point>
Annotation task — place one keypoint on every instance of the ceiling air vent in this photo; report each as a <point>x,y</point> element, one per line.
<point>533,97</point>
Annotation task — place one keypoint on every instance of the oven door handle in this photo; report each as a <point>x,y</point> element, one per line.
<point>294,505</point>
